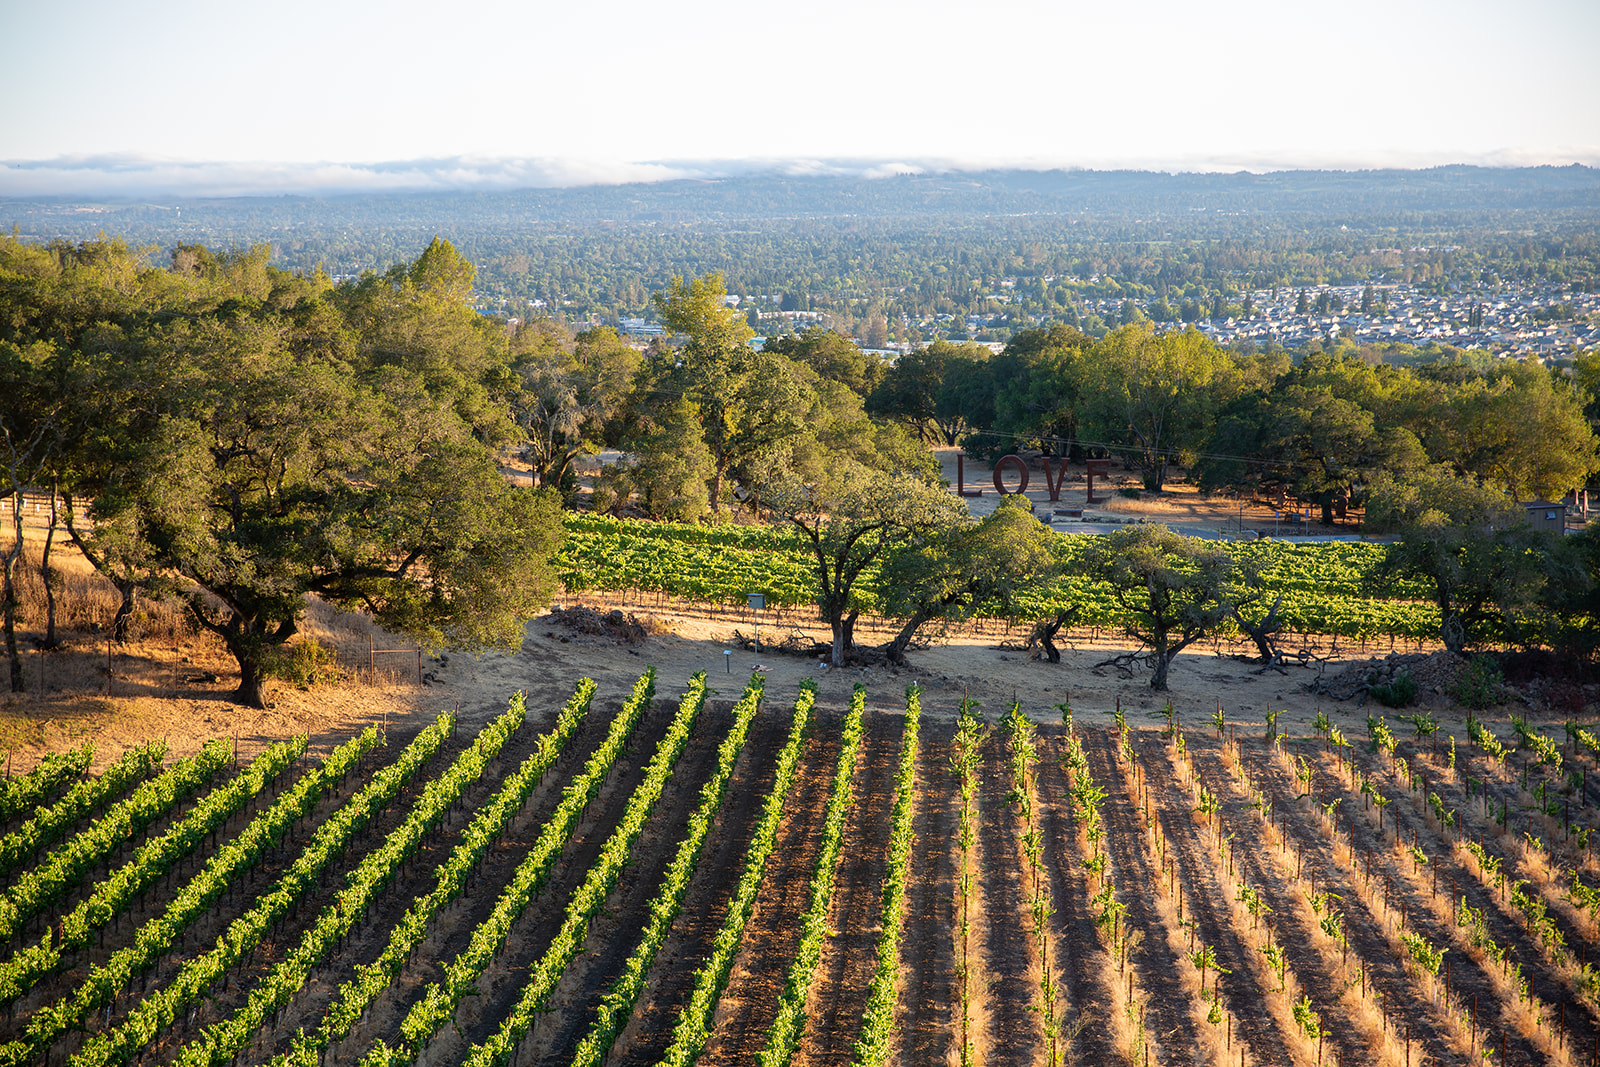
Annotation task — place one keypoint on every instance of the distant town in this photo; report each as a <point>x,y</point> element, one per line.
<point>1509,319</point>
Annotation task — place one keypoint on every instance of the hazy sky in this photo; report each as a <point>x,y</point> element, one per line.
<point>577,88</point>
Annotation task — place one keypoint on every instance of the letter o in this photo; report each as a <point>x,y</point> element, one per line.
<point>1022,469</point>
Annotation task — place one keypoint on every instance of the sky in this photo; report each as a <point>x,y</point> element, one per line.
<point>196,95</point>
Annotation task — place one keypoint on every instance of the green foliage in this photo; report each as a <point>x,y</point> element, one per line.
<point>1172,590</point>
<point>440,1001</point>
<point>783,1037</point>
<point>244,438</point>
<point>928,390</point>
<point>1546,748</point>
<point>694,1023</point>
<point>30,791</point>
<point>749,404</point>
<point>670,466</point>
<point>372,979</point>
<point>1399,692</point>
<point>590,896</point>
<point>567,394</point>
<point>149,864</point>
<point>1478,684</point>
<point>1485,739</point>
<point>1319,430</point>
<point>1154,394</point>
<point>832,357</point>
<point>47,826</point>
<point>1383,739</point>
<point>949,572</point>
<point>1490,583</point>
<point>1435,496</point>
<point>1424,953</point>
<point>306,664</point>
<point>1309,1021</point>
<point>877,1024</point>
<point>850,519</point>
<point>619,1000</point>
<point>197,974</point>
<point>160,934</point>
<point>56,874</point>
<point>223,1042</point>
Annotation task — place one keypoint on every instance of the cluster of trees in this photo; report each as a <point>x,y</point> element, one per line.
<point>240,437</point>
<point>1332,430</point>
<point>715,422</point>
<point>1442,453</point>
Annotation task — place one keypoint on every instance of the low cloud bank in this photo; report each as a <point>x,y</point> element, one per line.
<point>129,176</point>
<point>119,176</point>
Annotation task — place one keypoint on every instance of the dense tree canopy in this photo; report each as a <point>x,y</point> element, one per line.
<point>832,356</point>
<point>1173,590</point>
<point>1319,428</point>
<point>568,393</point>
<point>947,572</point>
<point>1154,396</point>
<point>852,518</point>
<point>925,391</point>
<point>243,438</point>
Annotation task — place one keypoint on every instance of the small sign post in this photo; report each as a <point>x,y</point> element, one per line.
<point>757,602</point>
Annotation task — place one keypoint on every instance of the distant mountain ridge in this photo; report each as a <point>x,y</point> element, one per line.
<point>713,200</point>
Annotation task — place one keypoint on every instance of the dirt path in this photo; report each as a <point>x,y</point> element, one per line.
<point>1320,974</point>
<point>1548,872</point>
<point>1371,955</point>
<point>1012,1035</point>
<point>930,1000</point>
<point>750,1001</point>
<point>500,986</point>
<point>849,958</point>
<point>613,933</point>
<point>1202,896</point>
<point>501,982</point>
<point>415,878</point>
<point>649,1030</point>
<point>1168,1020</point>
<point>1081,961</point>
<point>1415,893</point>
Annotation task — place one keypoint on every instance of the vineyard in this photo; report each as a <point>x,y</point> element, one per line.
<point>1323,585</point>
<point>651,877</point>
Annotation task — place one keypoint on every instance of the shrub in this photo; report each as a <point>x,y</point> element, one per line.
<point>1399,693</point>
<point>1478,684</point>
<point>304,665</point>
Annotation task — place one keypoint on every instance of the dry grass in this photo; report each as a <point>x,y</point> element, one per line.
<point>169,679</point>
<point>1139,505</point>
